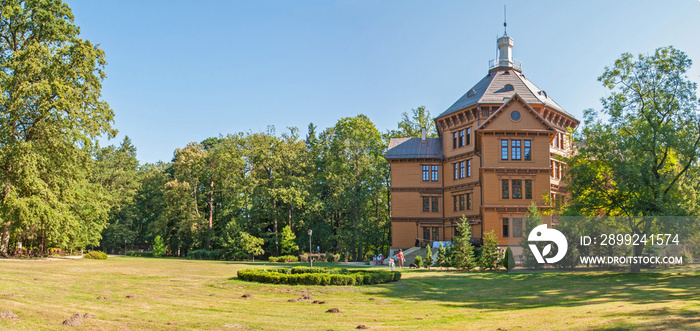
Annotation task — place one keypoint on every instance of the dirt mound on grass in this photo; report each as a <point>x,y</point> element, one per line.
<point>7,315</point>
<point>362,326</point>
<point>131,297</point>
<point>333,310</point>
<point>76,320</point>
<point>101,298</point>
<point>246,296</point>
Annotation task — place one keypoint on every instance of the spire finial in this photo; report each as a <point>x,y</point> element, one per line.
<point>505,25</point>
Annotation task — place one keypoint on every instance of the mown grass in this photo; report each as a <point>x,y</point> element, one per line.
<point>172,294</point>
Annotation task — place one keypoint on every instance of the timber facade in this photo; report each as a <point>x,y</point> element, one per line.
<point>499,150</point>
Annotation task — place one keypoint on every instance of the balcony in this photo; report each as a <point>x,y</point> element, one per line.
<point>516,64</point>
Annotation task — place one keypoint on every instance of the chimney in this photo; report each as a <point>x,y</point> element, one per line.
<point>423,134</point>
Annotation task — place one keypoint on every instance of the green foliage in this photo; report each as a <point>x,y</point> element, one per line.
<point>640,156</point>
<point>411,126</point>
<point>287,244</point>
<point>489,252</point>
<point>428,257</point>
<point>419,261</point>
<point>251,244</point>
<point>284,258</point>
<point>95,255</point>
<point>319,276</point>
<point>50,117</point>
<point>532,220</point>
<point>508,261</point>
<point>442,257</point>
<point>205,254</point>
<point>158,247</point>
<point>462,256</point>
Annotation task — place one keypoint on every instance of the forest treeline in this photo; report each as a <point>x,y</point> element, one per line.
<point>334,182</point>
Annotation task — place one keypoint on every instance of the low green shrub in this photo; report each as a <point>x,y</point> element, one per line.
<point>283,258</point>
<point>95,255</point>
<point>419,261</point>
<point>140,254</point>
<point>319,276</point>
<point>205,254</point>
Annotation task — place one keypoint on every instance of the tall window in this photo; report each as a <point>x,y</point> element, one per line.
<point>527,151</point>
<point>504,149</point>
<point>505,227</point>
<point>517,227</point>
<point>557,171</point>
<point>469,168</point>
<point>461,169</point>
<point>436,234</point>
<point>469,201</point>
<point>528,189</point>
<point>426,233</point>
<point>426,204</point>
<point>426,173</point>
<point>556,140</point>
<point>454,140</point>
<point>434,173</point>
<point>456,168</point>
<point>469,137</point>
<point>515,149</point>
<point>517,189</point>
<point>455,200</point>
<point>504,188</point>
<point>461,202</point>
<point>461,138</point>
<point>434,204</point>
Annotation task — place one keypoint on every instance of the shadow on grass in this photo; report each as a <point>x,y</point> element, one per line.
<point>499,290</point>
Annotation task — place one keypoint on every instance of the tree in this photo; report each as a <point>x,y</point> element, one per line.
<point>158,247</point>
<point>428,257</point>
<point>638,154</point>
<point>489,252</point>
<point>442,260</point>
<point>251,244</point>
<point>288,245</point>
<point>532,220</point>
<point>462,250</point>
<point>411,126</point>
<point>50,116</point>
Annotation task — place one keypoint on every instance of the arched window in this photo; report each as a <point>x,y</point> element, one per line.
<point>508,87</point>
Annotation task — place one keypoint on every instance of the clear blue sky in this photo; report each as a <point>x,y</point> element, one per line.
<point>182,71</point>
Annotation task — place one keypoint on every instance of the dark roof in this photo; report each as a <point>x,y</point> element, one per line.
<point>492,89</point>
<point>414,148</point>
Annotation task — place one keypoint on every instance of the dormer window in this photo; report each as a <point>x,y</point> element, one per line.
<point>508,87</point>
<point>471,93</point>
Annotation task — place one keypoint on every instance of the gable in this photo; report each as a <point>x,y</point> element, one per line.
<point>529,120</point>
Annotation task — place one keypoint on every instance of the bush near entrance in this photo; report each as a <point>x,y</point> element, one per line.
<point>319,276</point>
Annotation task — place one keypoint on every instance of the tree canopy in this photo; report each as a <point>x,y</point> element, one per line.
<point>50,115</point>
<point>638,155</point>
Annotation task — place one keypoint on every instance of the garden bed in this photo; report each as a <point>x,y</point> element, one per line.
<point>319,276</point>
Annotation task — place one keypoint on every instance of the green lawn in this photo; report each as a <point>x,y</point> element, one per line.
<point>182,295</point>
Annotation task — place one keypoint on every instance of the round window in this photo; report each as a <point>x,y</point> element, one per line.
<point>515,115</point>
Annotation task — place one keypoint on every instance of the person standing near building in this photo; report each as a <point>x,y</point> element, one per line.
<point>400,258</point>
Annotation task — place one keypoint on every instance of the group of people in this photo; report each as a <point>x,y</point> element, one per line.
<point>379,260</point>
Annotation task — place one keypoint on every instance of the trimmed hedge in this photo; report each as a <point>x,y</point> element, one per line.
<point>319,276</point>
<point>283,258</point>
<point>95,255</point>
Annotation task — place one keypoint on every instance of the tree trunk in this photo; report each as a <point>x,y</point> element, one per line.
<point>5,238</point>
<point>211,213</point>
<point>290,218</point>
<point>635,268</point>
<point>277,249</point>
